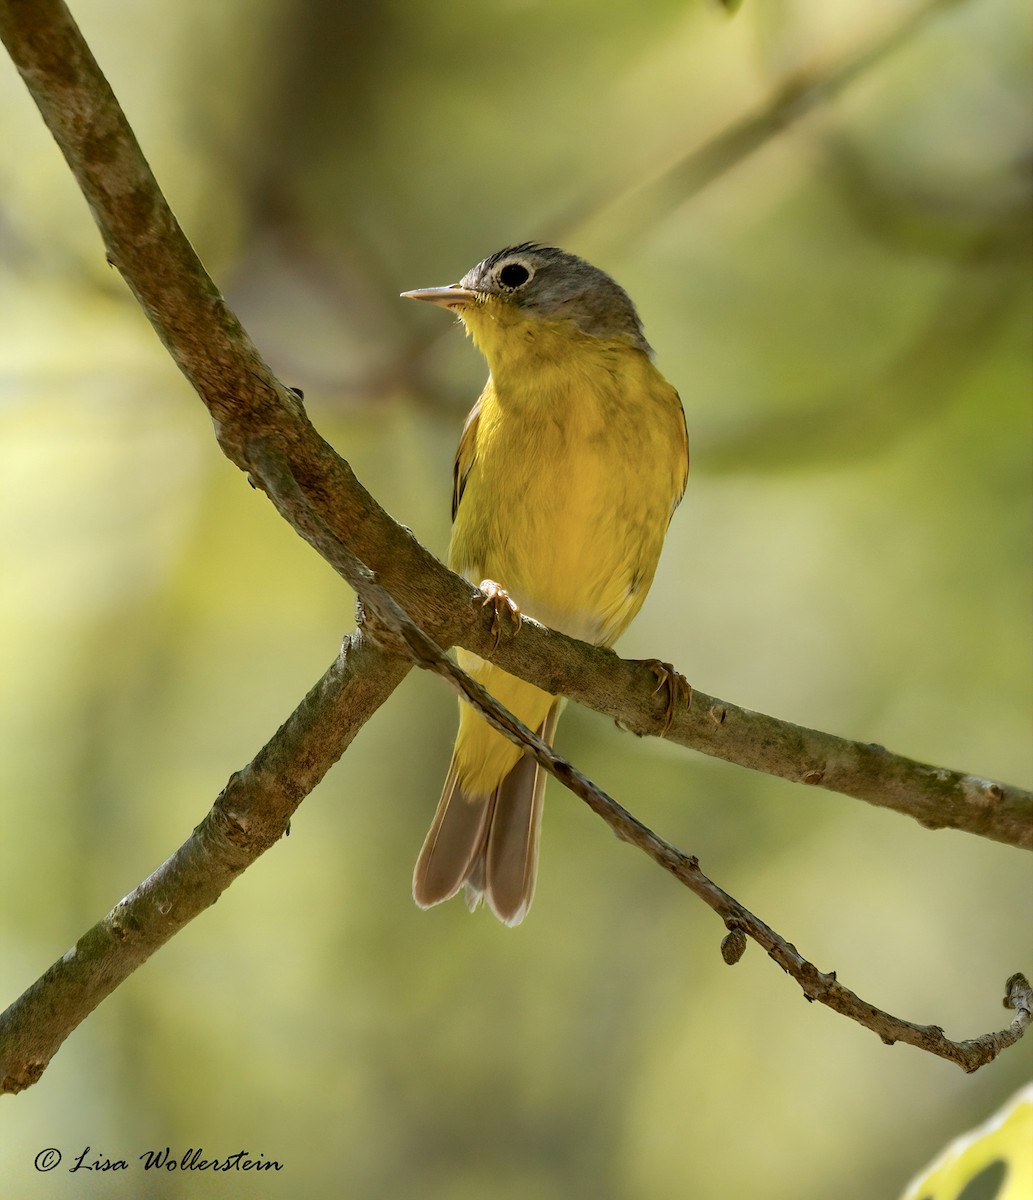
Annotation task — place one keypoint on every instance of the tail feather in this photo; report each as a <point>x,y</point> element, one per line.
<point>489,843</point>
<point>454,843</point>
<point>511,853</point>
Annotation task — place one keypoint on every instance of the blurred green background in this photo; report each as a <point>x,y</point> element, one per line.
<point>845,309</point>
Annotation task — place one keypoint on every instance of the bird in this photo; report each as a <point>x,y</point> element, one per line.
<point>569,468</point>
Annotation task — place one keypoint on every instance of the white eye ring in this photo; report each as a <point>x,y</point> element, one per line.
<point>510,268</point>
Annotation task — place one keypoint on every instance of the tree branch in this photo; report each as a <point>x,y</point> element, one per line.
<point>251,813</point>
<point>262,427</point>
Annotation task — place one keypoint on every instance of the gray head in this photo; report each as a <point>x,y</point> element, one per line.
<point>548,283</point>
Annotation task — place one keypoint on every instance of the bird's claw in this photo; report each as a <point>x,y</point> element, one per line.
<point>497,596</point>
<point>677,687</point>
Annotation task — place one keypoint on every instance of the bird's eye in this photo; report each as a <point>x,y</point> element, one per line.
<point>514,275</point>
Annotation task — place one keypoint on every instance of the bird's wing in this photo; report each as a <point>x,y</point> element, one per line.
<point>684,430</point>
<point>465,456</point>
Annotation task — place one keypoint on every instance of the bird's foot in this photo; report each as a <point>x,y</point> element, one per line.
<point>497,596</point>
<point>676,686</point>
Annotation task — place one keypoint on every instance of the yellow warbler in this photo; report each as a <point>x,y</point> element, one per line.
<point>569,468</point>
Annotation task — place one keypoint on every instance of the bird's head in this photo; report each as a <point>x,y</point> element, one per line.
<point>531,293</point>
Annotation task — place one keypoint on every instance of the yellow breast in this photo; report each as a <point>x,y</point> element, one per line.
<point>573,470</point>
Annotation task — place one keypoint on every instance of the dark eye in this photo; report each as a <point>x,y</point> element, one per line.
<point>514,275</point>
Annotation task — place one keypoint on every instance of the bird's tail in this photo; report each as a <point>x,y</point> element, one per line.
<point>487,842</point>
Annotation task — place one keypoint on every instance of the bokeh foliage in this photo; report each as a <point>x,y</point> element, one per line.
<point>846,311</point>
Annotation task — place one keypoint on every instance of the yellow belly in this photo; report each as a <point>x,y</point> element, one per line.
<point>572,485</point>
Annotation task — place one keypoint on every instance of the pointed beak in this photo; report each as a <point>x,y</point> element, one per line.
<point>453,296</point>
